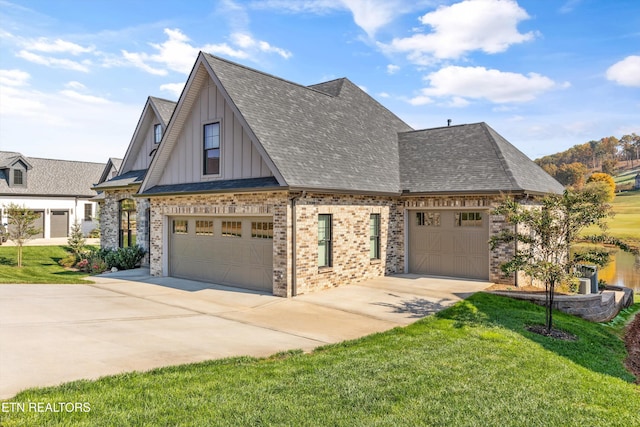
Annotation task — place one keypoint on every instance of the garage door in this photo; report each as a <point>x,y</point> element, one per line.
<point>449,243</point>
<point>229,251</point>
<point>37,223</point>
<point>59,223</point>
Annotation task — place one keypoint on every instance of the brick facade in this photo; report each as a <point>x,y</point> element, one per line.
<point>350,240</point>
<point>110,220</point>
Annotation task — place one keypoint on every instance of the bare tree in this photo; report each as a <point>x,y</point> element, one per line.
<point>21,227</point>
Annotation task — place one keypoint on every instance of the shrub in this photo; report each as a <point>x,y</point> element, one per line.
<point>122,258</point>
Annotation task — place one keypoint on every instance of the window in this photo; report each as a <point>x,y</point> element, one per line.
<point>262,230</point>
<point>18,177</point>
<point>232,228</point>
<point>180,226</point>
<point>428,219</point>
<point>157,133</point>
<point>204,228</point>
<point>211,146</point>
<point>127,235</point>
<point>468,219</point>
<point>324,241</point>
<point>374,236</point>
<point>88,211</point>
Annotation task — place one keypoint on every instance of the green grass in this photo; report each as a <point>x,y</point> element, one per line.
<point>474,364</point>
<point>625,224</point>
<point>39,265</point>
<point>626,177</point>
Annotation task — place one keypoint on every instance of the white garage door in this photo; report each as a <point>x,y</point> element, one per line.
<point>449,243</point>
<point>235,251</point>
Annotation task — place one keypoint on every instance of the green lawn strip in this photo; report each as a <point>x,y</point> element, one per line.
<point>626,222</point>
<point>39,265</point>
<point>473,364</point>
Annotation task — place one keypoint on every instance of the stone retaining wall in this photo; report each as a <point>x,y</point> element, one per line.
<point>600,307</point>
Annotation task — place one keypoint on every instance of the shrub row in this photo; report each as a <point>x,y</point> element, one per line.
<point>97,261</point>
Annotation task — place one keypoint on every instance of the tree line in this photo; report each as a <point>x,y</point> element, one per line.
<point>571,166</point>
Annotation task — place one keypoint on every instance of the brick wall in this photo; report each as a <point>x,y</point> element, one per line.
<point>350,240</point>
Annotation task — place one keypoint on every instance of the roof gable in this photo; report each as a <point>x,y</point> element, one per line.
<point>468,158</point>
<point>141,148</point>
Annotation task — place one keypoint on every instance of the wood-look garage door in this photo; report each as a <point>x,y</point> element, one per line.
<point>230,251</point>
<point>449,243</point>
<point>59,223</point>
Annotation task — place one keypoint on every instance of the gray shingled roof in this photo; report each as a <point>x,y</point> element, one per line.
<point>49,177</point>
<point>468,158</point>
<point>124,180</point>
<point>216,186</point>
<point>164,107</point>
<point>329,136</point>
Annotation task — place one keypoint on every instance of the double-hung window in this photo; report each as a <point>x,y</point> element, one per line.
<point>324,241</point>
<point>374,236</point>
<point>211,149</point>
<point>157,133</point>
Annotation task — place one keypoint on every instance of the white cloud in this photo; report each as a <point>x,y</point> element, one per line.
<point>458,102</point>
<point>384,95</point>
<point>87,99</point>
<point>57,46</point>
<point>49,61</point>
<point>370,15</point>
<point>177,53</point>
<point>173,88</point>
<point>626,72</point>
<point>481,83</point>
<point>75,85</point>
<point>486,25</point>
<point>246,41</point>
<point>420,100</point>
<point>13,77</point>
<point>392,69</point>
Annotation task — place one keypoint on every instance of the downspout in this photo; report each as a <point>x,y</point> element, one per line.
<point>294,290</point>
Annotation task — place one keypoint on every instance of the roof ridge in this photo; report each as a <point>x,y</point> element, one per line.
<point>500,155</point>
<point>235,64</point>
<point>50,159</point>
<point>163,99</point>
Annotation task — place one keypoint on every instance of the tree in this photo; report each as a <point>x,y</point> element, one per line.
<point>21,227</point>
<point>609,166</point>
<point>610,184</point>
<point>543,236</point>
<point>571,174</point>
<point>76,240</point>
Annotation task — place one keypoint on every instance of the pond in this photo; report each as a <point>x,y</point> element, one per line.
<point>623,270</point>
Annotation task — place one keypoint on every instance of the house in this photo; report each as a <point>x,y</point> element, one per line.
<point>265,184</point>
<point>124,219</point>
<point>58,190</point>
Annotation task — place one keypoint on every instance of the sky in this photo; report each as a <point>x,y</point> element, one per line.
<point>545,74</point>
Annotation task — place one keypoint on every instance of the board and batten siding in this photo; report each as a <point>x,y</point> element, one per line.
<point>143,157</point>
<point>238,157</point>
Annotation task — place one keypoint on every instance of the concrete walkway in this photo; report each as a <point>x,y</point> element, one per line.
<point>130,321</point>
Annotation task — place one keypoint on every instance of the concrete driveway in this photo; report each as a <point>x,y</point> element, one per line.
<point>130,321</point>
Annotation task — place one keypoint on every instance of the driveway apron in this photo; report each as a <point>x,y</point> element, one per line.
<point>130,321</point>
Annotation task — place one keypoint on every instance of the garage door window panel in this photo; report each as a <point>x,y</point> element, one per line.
<point>261,230</point>
<point>232,228</point>
<point>180,226</point>
<point>428,219</point>
<point>468,219</point>
<point>204,228</point>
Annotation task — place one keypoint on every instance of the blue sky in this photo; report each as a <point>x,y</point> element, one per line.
<point>546,74</point>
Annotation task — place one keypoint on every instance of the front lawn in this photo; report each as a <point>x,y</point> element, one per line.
<point>474,364</point>
<point>39,265</point>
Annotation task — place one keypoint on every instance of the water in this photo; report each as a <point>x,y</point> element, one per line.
<point>623,270</point>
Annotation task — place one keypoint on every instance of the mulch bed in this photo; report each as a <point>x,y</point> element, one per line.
<point>632,342</point>
<point>554,333</point>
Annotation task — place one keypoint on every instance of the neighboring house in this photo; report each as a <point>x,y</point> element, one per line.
<point>58,190</point>
<point>124,219</point>
<point>266,184</point>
